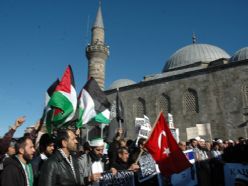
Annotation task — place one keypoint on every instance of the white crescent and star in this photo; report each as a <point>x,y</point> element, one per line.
<point>166,150</point>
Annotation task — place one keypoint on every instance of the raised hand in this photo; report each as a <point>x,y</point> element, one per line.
<point>19,121</point>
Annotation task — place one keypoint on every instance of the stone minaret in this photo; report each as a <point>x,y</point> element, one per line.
<point>97,52</point>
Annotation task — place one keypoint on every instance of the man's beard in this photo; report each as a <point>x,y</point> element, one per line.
<point>27,157</point>
<point>72,148</point>
<point>48,153</point>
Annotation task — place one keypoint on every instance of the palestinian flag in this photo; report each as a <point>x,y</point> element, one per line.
<point>50,91</point>
<point>92,104</point>
<point>63,102</point>
<point>48,95</point>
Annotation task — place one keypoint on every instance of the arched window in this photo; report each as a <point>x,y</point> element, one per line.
<point>163,104</point>
<point>139,108</point>
<point>245,95</point>
<point>190,101</point>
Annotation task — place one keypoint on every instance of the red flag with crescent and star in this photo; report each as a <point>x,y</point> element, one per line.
<point>164,149</point>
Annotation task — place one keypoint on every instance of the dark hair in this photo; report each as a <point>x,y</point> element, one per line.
<point>45,140</point>
<point>122,149</point>
<point>21,143</point>
<point>62,134</point>
<point>129,142</point>
<point>241,138</point>
<point>86,145</point>
<point>191,140</point>
<point>141,141</point>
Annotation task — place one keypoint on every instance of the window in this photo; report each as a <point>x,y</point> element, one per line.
<point>190,101</point>
<point>245,95</point>
<point>139,108</point>
<point>163,104</point>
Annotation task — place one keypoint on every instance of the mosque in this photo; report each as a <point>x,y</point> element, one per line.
<point>199,84</point>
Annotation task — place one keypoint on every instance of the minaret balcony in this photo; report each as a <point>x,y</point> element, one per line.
<point>98,48</point>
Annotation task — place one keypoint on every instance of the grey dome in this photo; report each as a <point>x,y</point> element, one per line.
<point>240,55</point>
<point>193,53</point>
<point>121,83</point>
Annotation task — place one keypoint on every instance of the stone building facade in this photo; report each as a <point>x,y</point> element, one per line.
<point>200,83</point>
<point>215,95</point>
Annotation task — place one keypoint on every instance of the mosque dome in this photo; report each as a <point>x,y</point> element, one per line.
<point>194,53</point>
<point>241,54</point>
<point>121,83</point>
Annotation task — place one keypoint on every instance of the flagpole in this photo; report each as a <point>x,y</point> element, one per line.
<point>102,127</point>
<point>141,152</point>
<point>87,132</point>
<point>154,124</point>
<point>51,123</point>
<point>117,104</point>
<point>211,137</point>
<point>120,124</point>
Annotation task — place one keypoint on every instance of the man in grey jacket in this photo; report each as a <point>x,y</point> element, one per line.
<point>91,166</point>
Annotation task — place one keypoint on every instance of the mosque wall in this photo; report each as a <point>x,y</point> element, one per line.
<point>216,95</point>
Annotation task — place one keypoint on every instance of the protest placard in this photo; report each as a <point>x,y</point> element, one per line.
<point>204,130</point>
<point>121,178</point>
<point>231,170</point>
<point>147,168</point>
<point>192,132</point>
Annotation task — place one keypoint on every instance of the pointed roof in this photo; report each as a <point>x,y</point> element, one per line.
<point>99,19</point>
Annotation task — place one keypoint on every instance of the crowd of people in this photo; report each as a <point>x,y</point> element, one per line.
<point>210,157</point>
<point>61,160</point>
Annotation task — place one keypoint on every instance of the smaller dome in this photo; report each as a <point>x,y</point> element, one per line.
<point>121,83</point>
<point>240,55</point>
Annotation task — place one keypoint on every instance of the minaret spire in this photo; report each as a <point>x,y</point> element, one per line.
<point>99,19</point>
<point>97,51</point>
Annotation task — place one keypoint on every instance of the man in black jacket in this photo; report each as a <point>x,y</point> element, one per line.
<point>18,170</point>
<point>46,149</point>
<point>61,169</point>
<point>122,162</point>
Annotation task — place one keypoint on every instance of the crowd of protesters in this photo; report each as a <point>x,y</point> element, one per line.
<point>210,157</point>
<point>59,159</point>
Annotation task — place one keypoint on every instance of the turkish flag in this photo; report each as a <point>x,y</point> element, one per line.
<point>165,150</point>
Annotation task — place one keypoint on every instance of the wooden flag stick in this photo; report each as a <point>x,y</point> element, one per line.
<point>141,152</point>
<point>154,125</point>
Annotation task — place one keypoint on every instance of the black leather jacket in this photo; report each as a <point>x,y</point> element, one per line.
<point>56,171</point>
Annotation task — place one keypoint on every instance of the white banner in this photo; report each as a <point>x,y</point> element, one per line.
<point>170,120</point>
<point>143,127</point>
<point>204,129</point>
<point>231,170</point>
<point>138,123</point>
<point>192,132</point>
<point>175,133</point>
